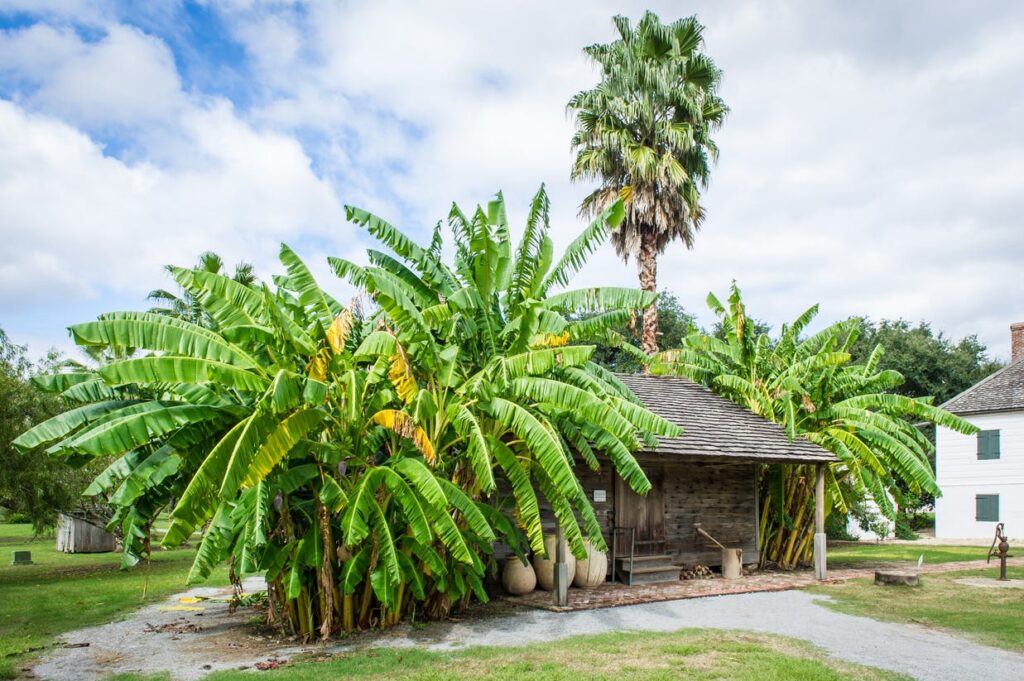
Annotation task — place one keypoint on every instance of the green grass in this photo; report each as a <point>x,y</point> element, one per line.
<point>688,654</point>
<point>990,616</point>
<point>62,592</point>
<point>863,555</point>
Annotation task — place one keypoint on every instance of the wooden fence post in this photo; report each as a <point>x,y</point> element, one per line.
<point>820,568</point>
<point>561,592</point>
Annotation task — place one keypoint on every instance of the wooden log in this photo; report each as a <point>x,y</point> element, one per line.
<point>732,563</point>
<point>897,577</point>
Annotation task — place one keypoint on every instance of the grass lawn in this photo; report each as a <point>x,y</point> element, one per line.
<point>688,654</point>
<point>61,592</point>
<point>862,555</point>
<point>990,616</point>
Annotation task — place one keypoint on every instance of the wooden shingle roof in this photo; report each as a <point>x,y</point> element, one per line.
<point>715,427</point>
<point>1002,391</point>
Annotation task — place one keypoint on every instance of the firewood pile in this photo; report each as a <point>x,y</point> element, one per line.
<point>697,572</point>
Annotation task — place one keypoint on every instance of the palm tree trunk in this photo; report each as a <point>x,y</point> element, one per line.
<point>649,282</point>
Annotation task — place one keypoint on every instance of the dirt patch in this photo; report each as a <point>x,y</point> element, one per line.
<point>187,640</point>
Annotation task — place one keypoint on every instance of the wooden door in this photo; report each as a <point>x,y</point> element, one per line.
<point>646,514</point>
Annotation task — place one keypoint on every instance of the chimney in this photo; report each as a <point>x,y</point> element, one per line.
<point>1016,342</point>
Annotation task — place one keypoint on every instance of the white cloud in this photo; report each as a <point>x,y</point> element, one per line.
<point>76,222</point>
<point>871,161</point>
<point>867,163</point>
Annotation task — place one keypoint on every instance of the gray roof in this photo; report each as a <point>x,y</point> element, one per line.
<point>715,427</point>
<point>1002,391</point>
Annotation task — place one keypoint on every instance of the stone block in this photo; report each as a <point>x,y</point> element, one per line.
<point>22,558</point>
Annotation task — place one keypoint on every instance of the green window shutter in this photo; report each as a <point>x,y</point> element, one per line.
<point>988,444</point>
<point>986,507</point>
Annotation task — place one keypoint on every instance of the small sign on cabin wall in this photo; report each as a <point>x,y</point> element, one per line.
<point>599,496</point>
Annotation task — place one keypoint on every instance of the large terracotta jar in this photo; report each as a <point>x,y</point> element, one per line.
<point>546,567</point>
<point>516,578</point>
<point>592,570</point>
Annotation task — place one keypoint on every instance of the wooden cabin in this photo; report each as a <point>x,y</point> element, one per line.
<point>707,476</point>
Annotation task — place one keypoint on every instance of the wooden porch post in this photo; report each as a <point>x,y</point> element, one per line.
<point>561,591</point>
<point>820,569</point>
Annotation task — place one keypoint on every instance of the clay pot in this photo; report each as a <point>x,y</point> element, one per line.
<point>516,578</point>
<point>592,570</point>
<point>546,568</point>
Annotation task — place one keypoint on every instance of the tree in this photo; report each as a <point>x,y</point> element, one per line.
<point>644,132</point>
<point>183,305</point>
<point>810,387</point>
<point>674,324</point>
<point>353,460</point>
<point>31,485</point>
<point>931,364</point>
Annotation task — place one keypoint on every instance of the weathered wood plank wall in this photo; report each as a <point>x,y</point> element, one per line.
<point>721,496</point>
<point>78,536</point>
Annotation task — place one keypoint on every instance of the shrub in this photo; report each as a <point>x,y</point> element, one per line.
<point>903,529</point>
<point>836,528</point>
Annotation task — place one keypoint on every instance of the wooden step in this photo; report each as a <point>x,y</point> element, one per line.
<point>647,569</point>
<point>650,575</point>
<point>665,560</point>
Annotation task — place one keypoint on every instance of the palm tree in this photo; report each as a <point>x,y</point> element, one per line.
<point>644,133</point>
<point>184,306</point>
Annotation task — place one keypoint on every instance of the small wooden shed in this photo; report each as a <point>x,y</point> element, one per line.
<point>78,536</point>
<point>708,477</point>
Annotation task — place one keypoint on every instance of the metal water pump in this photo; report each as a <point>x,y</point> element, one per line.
<point>1002,551</point>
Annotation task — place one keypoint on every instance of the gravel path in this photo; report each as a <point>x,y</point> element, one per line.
<point>187,639</point>
<point>922,653</point>
<point>189,644</point>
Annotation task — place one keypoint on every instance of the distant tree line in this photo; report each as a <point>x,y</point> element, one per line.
<point>932,363</point>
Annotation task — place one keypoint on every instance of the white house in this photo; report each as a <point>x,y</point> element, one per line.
<point>982,476</point>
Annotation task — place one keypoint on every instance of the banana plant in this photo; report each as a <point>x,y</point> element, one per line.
<point>354,460</point>
<point>262,432</point>
<point>487,356</point>
<point>808,385</point>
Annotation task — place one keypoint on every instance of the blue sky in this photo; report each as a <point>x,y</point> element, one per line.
<point>872,162</point>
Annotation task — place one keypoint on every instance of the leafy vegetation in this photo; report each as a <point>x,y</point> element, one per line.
<point>808,385</point>
<point>32,489</point>
<point>183,304</point>
<point>353,458</point>
<point>687,654</point>
<point>989,616</point>
<point>932,365</point>
<point>63,592</point>
<point>674,324</point>
<point>644,133</point>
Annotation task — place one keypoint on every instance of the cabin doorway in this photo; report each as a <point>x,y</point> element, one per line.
<point>641,518</point>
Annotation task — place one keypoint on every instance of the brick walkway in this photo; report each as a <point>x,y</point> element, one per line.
<point>610,595</point>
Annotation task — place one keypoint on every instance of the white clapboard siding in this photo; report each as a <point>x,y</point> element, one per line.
<point>78,536</point>
<point>961,477</point>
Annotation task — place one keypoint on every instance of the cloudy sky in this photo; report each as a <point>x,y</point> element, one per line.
<point>873,160</point>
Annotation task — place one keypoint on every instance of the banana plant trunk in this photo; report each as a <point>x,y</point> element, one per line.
<point>648,263</point>
<point>786,535</point>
